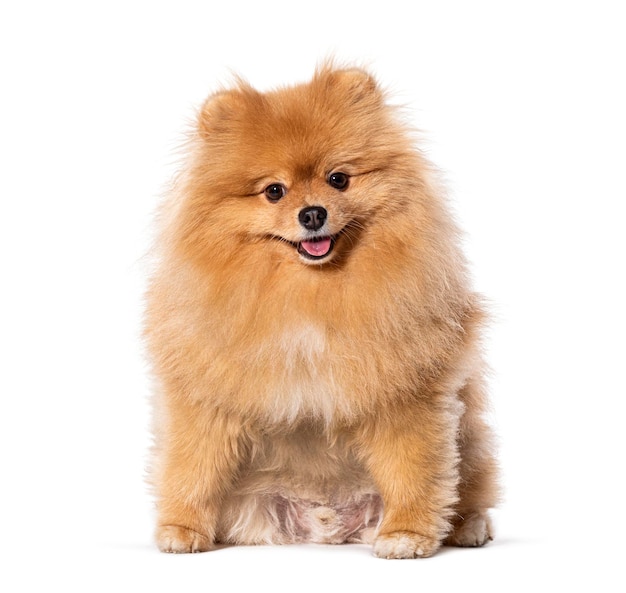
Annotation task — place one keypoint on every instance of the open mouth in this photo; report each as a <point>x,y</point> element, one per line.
<point>313,249</point>
<point>316,248</point>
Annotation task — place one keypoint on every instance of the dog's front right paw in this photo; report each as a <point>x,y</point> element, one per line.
<point>174,539</point>
<point>405,544</point>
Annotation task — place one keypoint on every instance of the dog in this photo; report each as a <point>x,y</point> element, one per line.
<point>314,338</point>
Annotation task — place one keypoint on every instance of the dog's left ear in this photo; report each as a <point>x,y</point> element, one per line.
<point>354,83</point>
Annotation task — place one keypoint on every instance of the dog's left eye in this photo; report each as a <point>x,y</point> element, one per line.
<point>338,180</point>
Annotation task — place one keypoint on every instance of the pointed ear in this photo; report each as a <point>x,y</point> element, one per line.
<point>355,83</point>
<point>224,108</point>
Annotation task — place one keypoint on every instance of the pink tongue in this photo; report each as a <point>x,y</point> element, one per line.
<point>317,248</point>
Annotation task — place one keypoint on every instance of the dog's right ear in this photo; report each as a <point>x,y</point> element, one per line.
<point>223,109</point>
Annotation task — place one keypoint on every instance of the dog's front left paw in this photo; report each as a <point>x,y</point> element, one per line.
<point>174,539</point>
<point>405,544</point>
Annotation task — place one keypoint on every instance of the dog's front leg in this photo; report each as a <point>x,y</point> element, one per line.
<point>199,455</point>
<point>410,451</point>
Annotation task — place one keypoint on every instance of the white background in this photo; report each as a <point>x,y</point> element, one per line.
<point>522,105</point>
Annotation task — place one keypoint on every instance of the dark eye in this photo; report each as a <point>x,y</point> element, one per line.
<point>338,180</point>
<point>275,192</point>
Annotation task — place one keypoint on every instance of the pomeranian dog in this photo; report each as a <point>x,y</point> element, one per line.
<point>315,340</point>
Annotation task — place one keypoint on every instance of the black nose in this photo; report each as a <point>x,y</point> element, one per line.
<point>312,218</point>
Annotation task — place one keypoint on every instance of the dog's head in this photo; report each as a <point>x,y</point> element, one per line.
<point>300,172</point>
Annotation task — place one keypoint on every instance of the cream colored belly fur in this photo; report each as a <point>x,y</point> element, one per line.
<point>301,487</point>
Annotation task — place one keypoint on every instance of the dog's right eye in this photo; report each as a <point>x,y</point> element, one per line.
<point>275,192</point>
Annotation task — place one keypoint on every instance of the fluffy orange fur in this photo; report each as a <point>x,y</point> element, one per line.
<point>328,398</point>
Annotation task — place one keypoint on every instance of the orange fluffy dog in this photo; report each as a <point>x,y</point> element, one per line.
<point>313,334</point>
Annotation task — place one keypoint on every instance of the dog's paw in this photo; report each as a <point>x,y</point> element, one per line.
<point>474,531</point>
<point>174,539</point>
<point>405,544</point>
